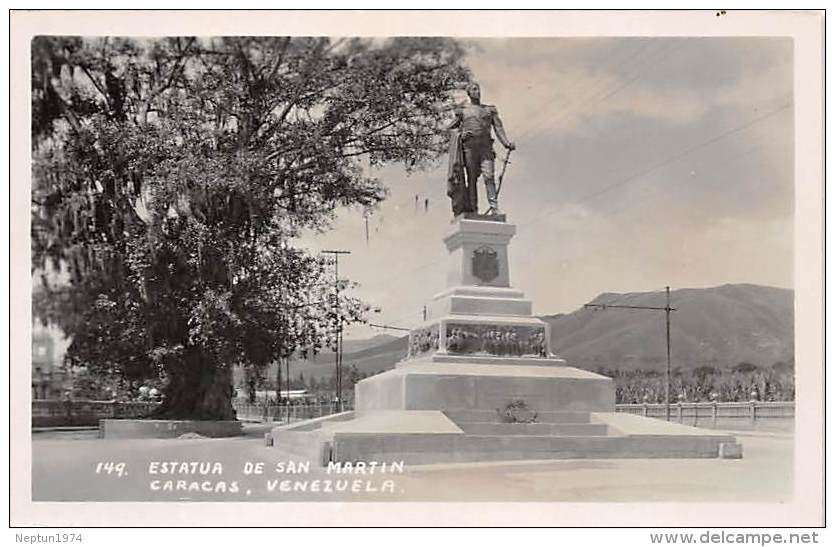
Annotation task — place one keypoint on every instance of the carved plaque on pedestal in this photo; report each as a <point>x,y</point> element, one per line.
<point>423,340</point>
<point>485,264</point>
<point>498,340</point>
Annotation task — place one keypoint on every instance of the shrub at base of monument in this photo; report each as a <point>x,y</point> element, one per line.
<point>168,429</point>
<point>517,412</point>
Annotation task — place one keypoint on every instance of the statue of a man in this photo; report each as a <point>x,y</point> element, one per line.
<point>475,122</point>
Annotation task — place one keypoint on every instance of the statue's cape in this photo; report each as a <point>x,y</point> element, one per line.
<point>455,171</point>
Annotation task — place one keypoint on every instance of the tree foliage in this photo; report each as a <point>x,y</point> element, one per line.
<point>170,177</point>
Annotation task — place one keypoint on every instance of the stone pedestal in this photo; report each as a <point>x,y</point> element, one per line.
<point>481,382</point>
<point>479,313</point>
<point>478,253</point>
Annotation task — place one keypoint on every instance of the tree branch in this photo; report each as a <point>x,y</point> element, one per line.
<point>100,89</point>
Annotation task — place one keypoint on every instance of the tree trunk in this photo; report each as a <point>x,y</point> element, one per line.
<point>200,390</point>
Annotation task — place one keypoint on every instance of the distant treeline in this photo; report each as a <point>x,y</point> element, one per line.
<point>744,382</point>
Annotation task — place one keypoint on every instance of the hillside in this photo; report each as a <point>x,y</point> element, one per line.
<point>369,355</point>
<point>354,345</point>
<point>719,326</point>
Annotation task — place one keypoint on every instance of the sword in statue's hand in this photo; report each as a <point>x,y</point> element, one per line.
<point>504,168</point>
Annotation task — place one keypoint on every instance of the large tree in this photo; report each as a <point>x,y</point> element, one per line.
<point>170,177</point>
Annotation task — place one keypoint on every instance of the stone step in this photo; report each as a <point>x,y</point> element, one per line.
<point>425,449</point>
<point>309,445</point>
<point>484,359</point>
<point>491,416</point>
<point>537,429</point>
<point>479,305</point>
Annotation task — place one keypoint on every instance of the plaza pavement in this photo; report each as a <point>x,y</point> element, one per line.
<point>64,469</point>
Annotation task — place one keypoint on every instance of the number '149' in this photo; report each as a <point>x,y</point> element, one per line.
<point>111,468</point>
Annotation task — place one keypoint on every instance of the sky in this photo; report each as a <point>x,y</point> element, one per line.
<point>640,163</point>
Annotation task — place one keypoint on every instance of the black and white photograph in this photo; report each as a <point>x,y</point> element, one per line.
<point>282,259</point>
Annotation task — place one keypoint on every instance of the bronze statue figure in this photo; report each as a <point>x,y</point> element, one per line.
<point>471,154</point>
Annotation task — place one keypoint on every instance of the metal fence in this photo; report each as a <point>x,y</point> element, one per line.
<point>55,413</point>
<point>83,413</point>
<point>271,412</point>
<point>750,415</point>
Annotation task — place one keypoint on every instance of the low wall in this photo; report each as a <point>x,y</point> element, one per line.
<point>166,429</point>
<point>78,413</point>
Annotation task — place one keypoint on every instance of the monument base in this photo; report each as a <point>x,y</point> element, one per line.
<point>484,383</point>
<point>419,437</point>
<point>446,409</point>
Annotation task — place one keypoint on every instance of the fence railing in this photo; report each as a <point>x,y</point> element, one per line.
<point>54,413</point>
<point>77,413</point>
<point>271,412</point>
<point>753,414</point>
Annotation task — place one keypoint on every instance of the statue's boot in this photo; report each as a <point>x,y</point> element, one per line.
<point>492,197</point>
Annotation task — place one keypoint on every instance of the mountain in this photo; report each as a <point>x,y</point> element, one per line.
<point>356,345</point>
<point>370,355</point>
<point>718,326</point>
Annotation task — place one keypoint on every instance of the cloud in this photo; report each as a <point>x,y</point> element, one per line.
<point>558,85</point>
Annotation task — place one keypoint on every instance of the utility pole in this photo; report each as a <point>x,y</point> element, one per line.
<point>287,366</point>
<point>278,387</point>
<point>667,309</point>
<point>338,357</point>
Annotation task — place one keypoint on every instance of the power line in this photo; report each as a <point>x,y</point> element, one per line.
<point>672,159</point>
<point>409,316</point>
<point>389,327</point>
<point>714,167</point>
<point>589,92</point>
<point>611,88</point>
